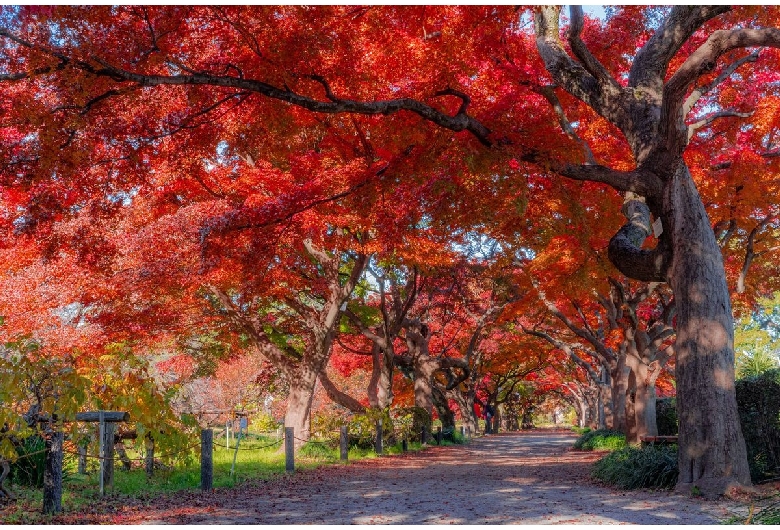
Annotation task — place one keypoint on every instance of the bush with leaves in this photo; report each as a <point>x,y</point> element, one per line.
<point>410,422</point>
<point>758,403</point>
<point>666,416</point>
<point>27,469</point>
<point>601,439</point>
<point>264,422</point>
<point>362,428</point>
<point>653,467</point>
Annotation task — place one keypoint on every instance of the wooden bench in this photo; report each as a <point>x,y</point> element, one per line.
<point>658,440</point>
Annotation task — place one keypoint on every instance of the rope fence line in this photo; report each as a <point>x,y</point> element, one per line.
<point>229,448</point>
<point>139,459</point>
<point>53,472</point>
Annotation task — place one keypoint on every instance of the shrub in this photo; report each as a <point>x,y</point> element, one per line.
<point>27,470</point>
<point>767,515</point>
<point>632,468</point>
<point>319,450</point>
<point>666,416</point>
<point>263,422</point>
<point>411,421</point>
<point>758,403</point>
<point>600,439</point>
<point>362,428</point>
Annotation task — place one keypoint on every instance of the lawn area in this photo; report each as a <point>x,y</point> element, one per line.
<point>260,457</point>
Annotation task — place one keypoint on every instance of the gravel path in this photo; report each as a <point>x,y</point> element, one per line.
<point>529,478</point>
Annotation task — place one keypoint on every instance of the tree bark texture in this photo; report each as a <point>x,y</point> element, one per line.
<point>298,415</point>
<point>440,401</point>
<point>651,112</point>
<point>712,452</point>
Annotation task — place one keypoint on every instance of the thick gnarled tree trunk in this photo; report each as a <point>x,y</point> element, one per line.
<point>712,450</point>
<point>651,109</point>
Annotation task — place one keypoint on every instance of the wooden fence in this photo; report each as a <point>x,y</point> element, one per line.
<point>54,452</point>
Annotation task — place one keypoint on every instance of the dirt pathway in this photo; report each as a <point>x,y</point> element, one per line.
<point>529,478</point>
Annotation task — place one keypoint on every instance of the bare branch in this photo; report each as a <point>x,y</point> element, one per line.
<point>650,64</point>
<point>640,181</point>
<point>701,91</point>
<point>570,75</point>
<point>700,62</point>
<point>750,252</point>
<point>704,122</point>
<point>339,397</point>
<point>583,54</point>
<point>567,349</point>
<point>457,123</point>
<point>549,94</point>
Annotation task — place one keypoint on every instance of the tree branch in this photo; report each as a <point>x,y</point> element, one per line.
<point>650,64</point>
<point>639,181</point>
<point>701,91</point>
<point>695,126</point>
<point>549,94</point>
<point>339,397</point>
<point>625,248</point>
<point>457,123</point>
<point>700,62</point>
<point>583,53</point>
<point>569,74</point>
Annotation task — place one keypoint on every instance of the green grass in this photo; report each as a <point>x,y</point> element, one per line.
<point>600,440</point>
<point>254,461</point>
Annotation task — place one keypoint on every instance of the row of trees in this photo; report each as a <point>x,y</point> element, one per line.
<point>208,180</point>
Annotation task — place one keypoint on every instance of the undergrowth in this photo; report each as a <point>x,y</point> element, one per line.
<point>600,440</point>
<point>633,468</point>
<point>767,515</point>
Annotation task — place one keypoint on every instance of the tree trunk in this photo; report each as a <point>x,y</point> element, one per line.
<point>644,377</point>
<point>385,387</point>
<point>423,379</point>
<point>299,404</point>
<point>644,409</point>
<point>712,452</point>
<point>619,374</point>
<point>632,436</point>
<point>606,407</point>
<point>446,416</point>
<point>465,402</point>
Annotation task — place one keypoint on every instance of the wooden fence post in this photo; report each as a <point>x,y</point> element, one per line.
<point>149,457</point>
<point>343,442</point>
<point>52,473</point>
<point>289,449</point>
<point>378,440</point>
<point>438,436</point>
<point>206,459</point>
<point>424,436</point>
<point>106,433</point>
<point>404,445</point>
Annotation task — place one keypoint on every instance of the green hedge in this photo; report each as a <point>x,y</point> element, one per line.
<point>666,416</point>
<point>758,405</point>
<point>600,439</point>
<point>758,402</point>
<point>638,467</point>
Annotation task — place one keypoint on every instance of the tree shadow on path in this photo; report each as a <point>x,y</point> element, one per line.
<point>523,478</point>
